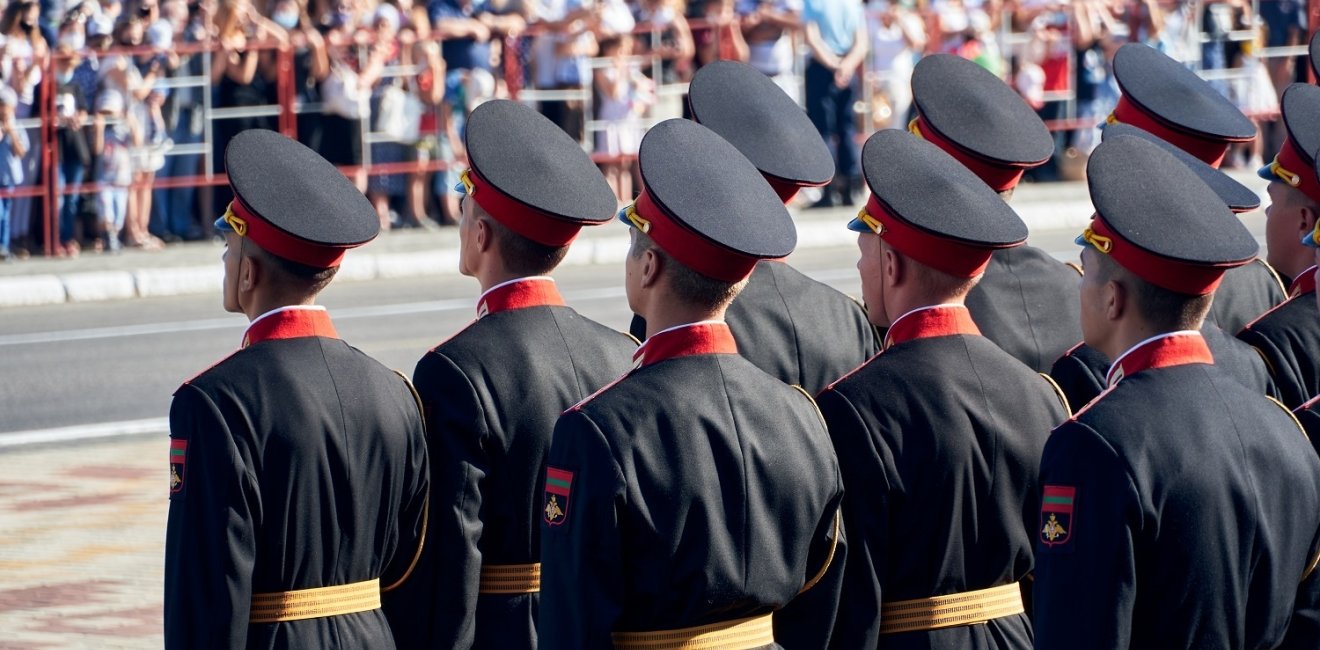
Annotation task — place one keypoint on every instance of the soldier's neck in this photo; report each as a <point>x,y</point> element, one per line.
<point>664,317</point>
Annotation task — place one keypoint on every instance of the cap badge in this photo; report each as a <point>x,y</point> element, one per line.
<point>236,222</point>
<point>871,222</point>
<point>1100,242</point>
<point>1286,176</point>
<point>635,219</point>
<point>465,180</point>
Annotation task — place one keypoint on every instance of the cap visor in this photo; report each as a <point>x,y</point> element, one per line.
<point>1266,173</point>
<point>1309,240</point>
<point>222,226</point>
<point>856,225</point>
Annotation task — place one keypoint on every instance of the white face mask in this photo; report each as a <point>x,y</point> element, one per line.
<point>73,40</point>
<point>285,19</point>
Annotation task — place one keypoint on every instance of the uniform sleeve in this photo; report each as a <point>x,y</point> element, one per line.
<point>1085,585</point>
<point>437,606</point>
<point>210,544</point>
<point>1288,383</point>
<point>414,527</point>
<point>1080,374</point>
<point>581,556</point>
<point>1304,629</point>
<point>808,620</point>
<point>865,515</point>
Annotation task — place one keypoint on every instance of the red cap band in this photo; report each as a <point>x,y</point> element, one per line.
<point>999,177</point>
<point>1209,150</point>
<point>785,189</point>
<point>282,244</point>
<point>953,257</point>
<point>536,225</point>
<point>1296,169</point>
<point>688,247</point>
<point>1184,277</point>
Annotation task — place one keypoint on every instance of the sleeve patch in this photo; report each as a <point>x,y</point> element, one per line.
<point>178,458</point>
<point>1057,506</point>
<point>558,487</point>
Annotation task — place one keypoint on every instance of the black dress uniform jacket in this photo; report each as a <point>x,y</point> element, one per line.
<point>702,491</point>
<point>492,395</point>
<point>1288,337</point>
<point>1179,510</point>
<point>1025,304</point>
<point>303,465</point>
<point>939,439</point>
<point>1081,372</point>
<point>1244,293</point>
<point>799,330</point>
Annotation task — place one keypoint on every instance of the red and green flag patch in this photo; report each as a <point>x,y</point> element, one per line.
<point>1056,514</point>
<point>558,486</point>
<point>178,456</point>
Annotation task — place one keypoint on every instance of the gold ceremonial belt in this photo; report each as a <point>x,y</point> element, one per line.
<point>953,610</point>
<point>317,602</point>
<point>742,634</point>
<point>510,578</point>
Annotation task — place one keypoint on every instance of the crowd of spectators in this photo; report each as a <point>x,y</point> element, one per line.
<point>140,86</point>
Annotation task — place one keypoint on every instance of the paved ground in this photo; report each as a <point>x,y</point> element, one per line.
<point>81,558</point>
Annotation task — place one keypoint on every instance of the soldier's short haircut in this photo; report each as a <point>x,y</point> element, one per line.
<point>1163,309</point>
<point>521,256</point>
<point>934,282</point>
<point>690,287</point>
<point>295,275</point>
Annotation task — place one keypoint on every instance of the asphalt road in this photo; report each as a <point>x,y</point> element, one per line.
<point>112,366</point>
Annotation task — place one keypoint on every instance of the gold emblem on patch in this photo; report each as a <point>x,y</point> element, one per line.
<point>552,511</point>
<point>1053,529</point>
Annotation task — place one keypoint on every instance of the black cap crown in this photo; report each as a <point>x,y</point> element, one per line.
<point>1176,96</point>
<point>749,110</point>
<point>294,203</point>
<point>1161,206</point>
<point>978,112</point>
<point>534,162</point>
<point>1238,197</point>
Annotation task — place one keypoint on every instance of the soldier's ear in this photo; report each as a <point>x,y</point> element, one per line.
<point>651,267</point>
<point>483,234</point>
<point>894,265</point>
<point>1116,297</point>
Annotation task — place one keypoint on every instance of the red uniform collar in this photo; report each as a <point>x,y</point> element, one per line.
<point>1163,351</point>
<point>1303,283</point>
<point>539,291</point>
<point>926,322</point>
<point>290,323</point>
<point>706,337</point>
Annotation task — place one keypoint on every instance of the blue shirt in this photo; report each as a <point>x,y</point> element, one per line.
<point>460,53</point>
<point>837,20</point>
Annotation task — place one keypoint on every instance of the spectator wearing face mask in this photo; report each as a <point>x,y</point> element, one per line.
<point>22,60</point>
<point>72,152</point>
<point>13,146</point>
<point>175,213</point>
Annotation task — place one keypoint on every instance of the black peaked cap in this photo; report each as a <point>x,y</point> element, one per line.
<point>1181,99</point>
<point>1161,206</point>
<point>1238,197</point>
<point>1301,116</point>
<point>749,110</point>
<point>534,162</point>
<point>297,191</point>
<point>926,187</point>
<point>704,183</point>
<point>978,112</point>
